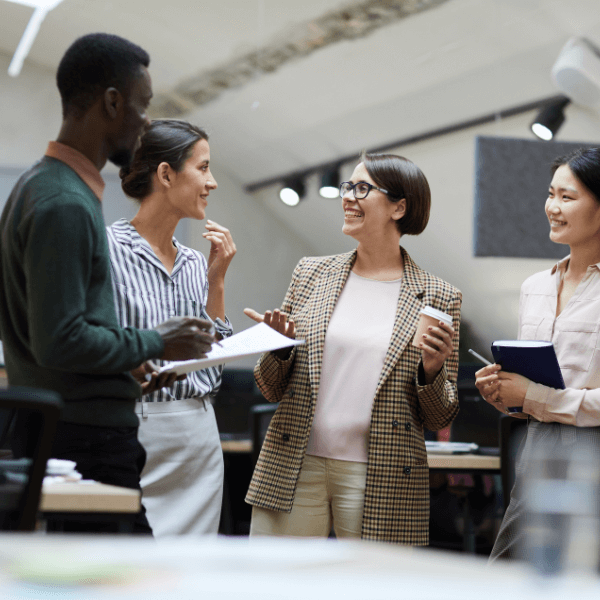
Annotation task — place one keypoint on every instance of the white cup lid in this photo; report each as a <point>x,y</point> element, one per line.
<point>437,314</point>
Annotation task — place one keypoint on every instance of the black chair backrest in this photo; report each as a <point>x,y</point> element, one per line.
<point>477,421</point>
<point>36,412</point>
<point>512,432</point>
<point>260,417</point>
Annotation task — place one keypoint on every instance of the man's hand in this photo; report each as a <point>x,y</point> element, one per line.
<point>149,379</point>
<point>186,338</point>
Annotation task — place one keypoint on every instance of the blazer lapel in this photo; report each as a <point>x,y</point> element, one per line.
<point>331,283</point>
<point>407,315</point>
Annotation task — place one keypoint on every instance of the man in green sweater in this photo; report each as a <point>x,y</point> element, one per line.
<point>57,315</point>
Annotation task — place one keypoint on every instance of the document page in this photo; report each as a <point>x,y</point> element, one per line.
<point>255,340</point>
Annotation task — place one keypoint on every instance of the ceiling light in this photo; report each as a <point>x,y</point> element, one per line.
<point>549,120</point>
<point>292,192</point>
<point>330,183</point>
<point>41,9</point>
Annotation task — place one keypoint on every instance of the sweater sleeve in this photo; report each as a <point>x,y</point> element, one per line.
<point>63,270</point>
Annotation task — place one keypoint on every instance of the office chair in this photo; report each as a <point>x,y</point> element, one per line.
<point>260,417</point>
<point>34,412</point>
<point>512,432</point>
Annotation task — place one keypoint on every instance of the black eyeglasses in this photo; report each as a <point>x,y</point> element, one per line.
<point>360,190</point>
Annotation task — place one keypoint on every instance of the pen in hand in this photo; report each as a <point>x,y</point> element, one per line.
<point>485,361</point>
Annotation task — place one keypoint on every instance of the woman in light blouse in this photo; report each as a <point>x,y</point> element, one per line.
<point>561,305</point>
<point>154,276</point>
<point>345,446</point>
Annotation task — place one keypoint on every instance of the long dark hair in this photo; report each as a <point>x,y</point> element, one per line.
<point>585,165</point>
<point>164,140</point>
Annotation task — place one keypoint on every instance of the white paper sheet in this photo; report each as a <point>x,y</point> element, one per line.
<point>255,340</point>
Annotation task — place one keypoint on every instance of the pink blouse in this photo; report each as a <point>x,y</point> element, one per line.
<point>576,338</point>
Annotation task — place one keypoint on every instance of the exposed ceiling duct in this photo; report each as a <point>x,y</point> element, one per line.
<point>352,21</point>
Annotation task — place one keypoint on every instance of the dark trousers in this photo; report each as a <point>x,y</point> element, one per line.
<point>111,455</point>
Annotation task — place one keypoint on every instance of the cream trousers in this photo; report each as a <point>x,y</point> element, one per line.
<point>329,493</point>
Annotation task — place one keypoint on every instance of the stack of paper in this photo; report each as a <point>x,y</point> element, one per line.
<point>255,340</point>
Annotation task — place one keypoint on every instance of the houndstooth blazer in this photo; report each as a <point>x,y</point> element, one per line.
<point>396,505</point>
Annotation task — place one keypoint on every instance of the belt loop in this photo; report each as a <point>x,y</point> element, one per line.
<point>204,401</point>
<point>144,410</point>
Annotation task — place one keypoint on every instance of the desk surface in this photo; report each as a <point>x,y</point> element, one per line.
<point>189,567</point>
<point>92,497</point>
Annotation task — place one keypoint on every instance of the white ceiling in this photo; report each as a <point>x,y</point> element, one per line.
<point>459,60</point>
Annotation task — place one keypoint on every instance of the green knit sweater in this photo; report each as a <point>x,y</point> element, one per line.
<point>58,323</point>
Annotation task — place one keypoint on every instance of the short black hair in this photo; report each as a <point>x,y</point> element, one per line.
<point>92,64</point>
<point>585,165</point>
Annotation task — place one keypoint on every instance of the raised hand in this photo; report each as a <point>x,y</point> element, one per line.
<point>222,249</point>
<point>279,322</point>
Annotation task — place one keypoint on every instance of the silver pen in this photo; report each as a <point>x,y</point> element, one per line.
<point>485,361</point>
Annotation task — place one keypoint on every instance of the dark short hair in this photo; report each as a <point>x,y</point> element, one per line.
<point>92,64</point>
<point>585,165</point>
<point>164,140</point>
<point>402,179</point>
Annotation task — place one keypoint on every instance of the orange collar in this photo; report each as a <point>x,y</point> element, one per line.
<point>82,165</point>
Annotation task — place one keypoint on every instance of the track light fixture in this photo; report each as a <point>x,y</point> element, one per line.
<point>330,183</point>
<point>292,191</point>
<point>549,120</point>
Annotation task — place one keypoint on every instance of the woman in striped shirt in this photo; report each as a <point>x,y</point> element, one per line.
<point>156,277</point>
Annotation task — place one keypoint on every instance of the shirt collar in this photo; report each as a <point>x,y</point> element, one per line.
<point>562,265</point>
<point>82,165</point>
<point>135,240</point>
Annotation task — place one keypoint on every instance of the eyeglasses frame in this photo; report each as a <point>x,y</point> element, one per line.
<point>353,188</point>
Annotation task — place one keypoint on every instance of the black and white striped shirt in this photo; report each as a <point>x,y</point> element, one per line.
<point>146,295</point>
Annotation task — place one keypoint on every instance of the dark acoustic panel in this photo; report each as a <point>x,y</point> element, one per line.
<point>511,187</point>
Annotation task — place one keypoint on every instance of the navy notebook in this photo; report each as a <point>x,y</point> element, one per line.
<point>533,359</point>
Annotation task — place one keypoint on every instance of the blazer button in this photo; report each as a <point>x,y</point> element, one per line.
<point>407,470</point>
<point>285,437</point>
<point>395,423</point>
<point>408,427</point>
<point>290,393</point>
<point>420,295</point>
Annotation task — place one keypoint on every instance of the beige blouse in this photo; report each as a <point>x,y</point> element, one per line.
<point>356,343</point>
<point>576,337</point>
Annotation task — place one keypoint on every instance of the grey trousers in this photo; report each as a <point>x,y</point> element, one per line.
<point>511,542</point>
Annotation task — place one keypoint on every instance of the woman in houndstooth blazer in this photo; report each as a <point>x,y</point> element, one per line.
<point>345,446</point>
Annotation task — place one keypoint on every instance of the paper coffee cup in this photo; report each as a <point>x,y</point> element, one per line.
<point>430,317</point>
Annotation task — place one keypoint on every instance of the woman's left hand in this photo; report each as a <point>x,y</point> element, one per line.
<point>436,347</point>
<point>222,249</point>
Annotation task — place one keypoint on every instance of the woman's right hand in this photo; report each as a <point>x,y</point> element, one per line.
<point>488,384</point>
<point>279,322</point>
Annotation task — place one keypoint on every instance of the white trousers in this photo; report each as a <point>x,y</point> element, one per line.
<point>182,482</point>
<point>329,492</point>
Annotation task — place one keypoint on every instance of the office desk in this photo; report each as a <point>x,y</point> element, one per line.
<point>188,568</point>
<point>90,501</point>
<point>455,463</point>
<point>93,497</point>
